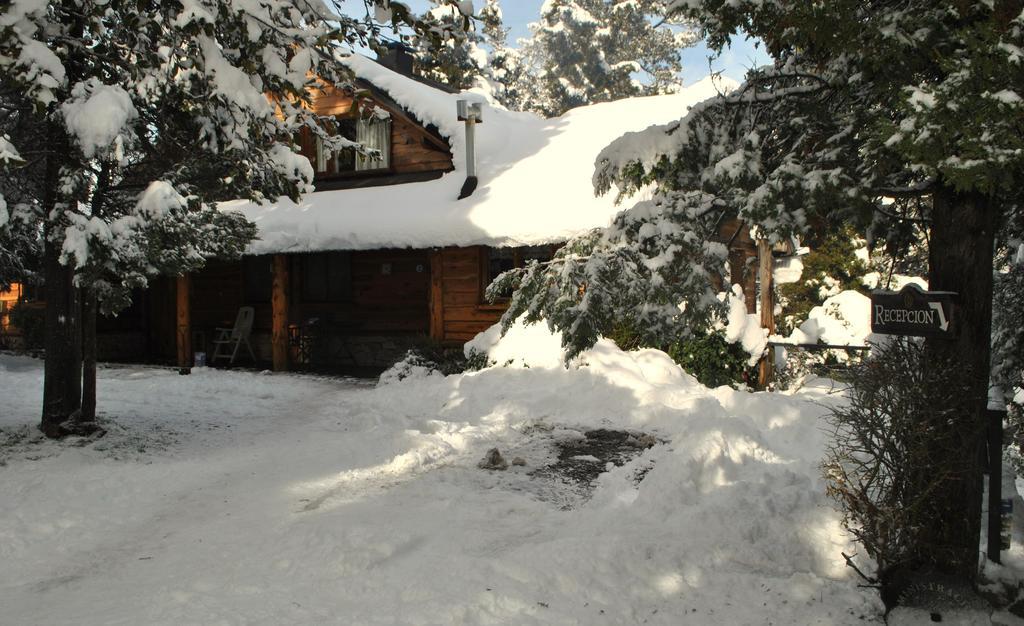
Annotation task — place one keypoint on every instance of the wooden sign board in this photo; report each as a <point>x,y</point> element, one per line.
<point>912,311</point>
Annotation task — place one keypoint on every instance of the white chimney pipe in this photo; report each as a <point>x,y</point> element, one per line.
<point>471,114</point>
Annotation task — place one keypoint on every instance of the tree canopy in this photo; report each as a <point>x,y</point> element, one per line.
<point>873,115</point>
<point>588,51</point>
<point>124,123</point>
<point>866,113</point>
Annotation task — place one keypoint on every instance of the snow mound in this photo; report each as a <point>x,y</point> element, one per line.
<point>843,319</point>
<point>535,346</point>
<point>736,473</point>
<point>283,490</point>
<point>532,345</point>
<point>745,328</point>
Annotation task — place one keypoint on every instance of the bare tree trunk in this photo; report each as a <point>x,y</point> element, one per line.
<point>961,251</point>
<point>63,368</point>
<point>89,307</point>
<point>62,378</point>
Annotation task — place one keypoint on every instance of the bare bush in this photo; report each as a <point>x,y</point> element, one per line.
<point>900,444</point>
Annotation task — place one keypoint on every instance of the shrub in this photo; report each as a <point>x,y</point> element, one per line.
<point>829,268</point>
<point>448,359</point>
<point>900,444</point>
<point>430,357</point>
<point>707,356</point>
<point>712,360</point>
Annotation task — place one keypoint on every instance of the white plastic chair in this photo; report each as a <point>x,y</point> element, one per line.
<point>237,335</point>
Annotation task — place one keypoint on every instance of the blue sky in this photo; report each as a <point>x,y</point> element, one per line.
<point>733,62</point>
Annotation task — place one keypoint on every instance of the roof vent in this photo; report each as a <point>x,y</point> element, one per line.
<point>396,56</point>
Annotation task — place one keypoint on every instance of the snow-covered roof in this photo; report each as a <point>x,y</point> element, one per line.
<point>535,177</point>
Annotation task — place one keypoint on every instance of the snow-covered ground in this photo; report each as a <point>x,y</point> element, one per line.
<point>239,497</point>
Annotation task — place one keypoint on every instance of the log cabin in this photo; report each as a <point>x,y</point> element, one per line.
<point>8,298</point>
<point>388,253</point>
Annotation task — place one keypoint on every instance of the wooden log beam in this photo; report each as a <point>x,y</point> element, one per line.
<point>279,308</point>
<point>184,323</point>
<point>436,295</point>
<point>765,370</point>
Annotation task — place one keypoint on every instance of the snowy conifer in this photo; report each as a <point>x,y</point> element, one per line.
<point>589,51</point>
<point>144,116</point>
<point>448,48</point>
<point>867,103</point>
<point>469,52</point>
<point>20,242</point>
<point>1008,317</point>
<point>503,76</point>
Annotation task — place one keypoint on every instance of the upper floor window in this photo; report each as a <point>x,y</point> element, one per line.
<point>374,133</point>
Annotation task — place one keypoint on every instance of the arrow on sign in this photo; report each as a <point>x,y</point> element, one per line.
<point>943,322</point>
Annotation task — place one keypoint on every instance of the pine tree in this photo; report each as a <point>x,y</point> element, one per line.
<point>448,49</point>
<point>868,102</point>
<point>20,244</point>
<point>1008,320</point>
<point>829,267</point>
<point>588,51</point>
<point>504,74</point>
<point>469,52</point>
<point>494,32</point>
<point>140,117</point>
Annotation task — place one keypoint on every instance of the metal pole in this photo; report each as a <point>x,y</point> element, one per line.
<point>995,482</point>
<point>766,369</point>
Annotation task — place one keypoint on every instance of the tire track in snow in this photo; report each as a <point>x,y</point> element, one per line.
<point>195,501</point>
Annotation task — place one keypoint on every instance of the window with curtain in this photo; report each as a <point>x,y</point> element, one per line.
<point>374,133</point>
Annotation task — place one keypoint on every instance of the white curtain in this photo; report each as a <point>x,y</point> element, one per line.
<point>321,155</point>
<point>376,135</point>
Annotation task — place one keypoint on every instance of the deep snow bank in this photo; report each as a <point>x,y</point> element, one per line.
<point>287,499</point>
<point>733,498</point>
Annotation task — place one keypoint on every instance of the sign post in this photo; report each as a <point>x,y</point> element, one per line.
<point>996,504</point>
<point>912,311</point>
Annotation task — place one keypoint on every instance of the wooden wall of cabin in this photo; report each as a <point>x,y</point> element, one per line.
<point>218,291</point>
<point>160,313</point>
<point>458,310</point>
<point>8,298</point>
<point>387,294</point>
<point>413,149</point>
<point>143,332</point>
<point>369,300</point>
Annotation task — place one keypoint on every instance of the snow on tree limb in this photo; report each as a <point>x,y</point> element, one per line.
<point>184,103</point>
<point>866,102</point>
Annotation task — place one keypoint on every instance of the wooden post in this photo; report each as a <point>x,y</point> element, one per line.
<point>765,370</point>
<point>279,307</point>
<point>184,325</point>
<point>750,279</point>
<point>436,295</point>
